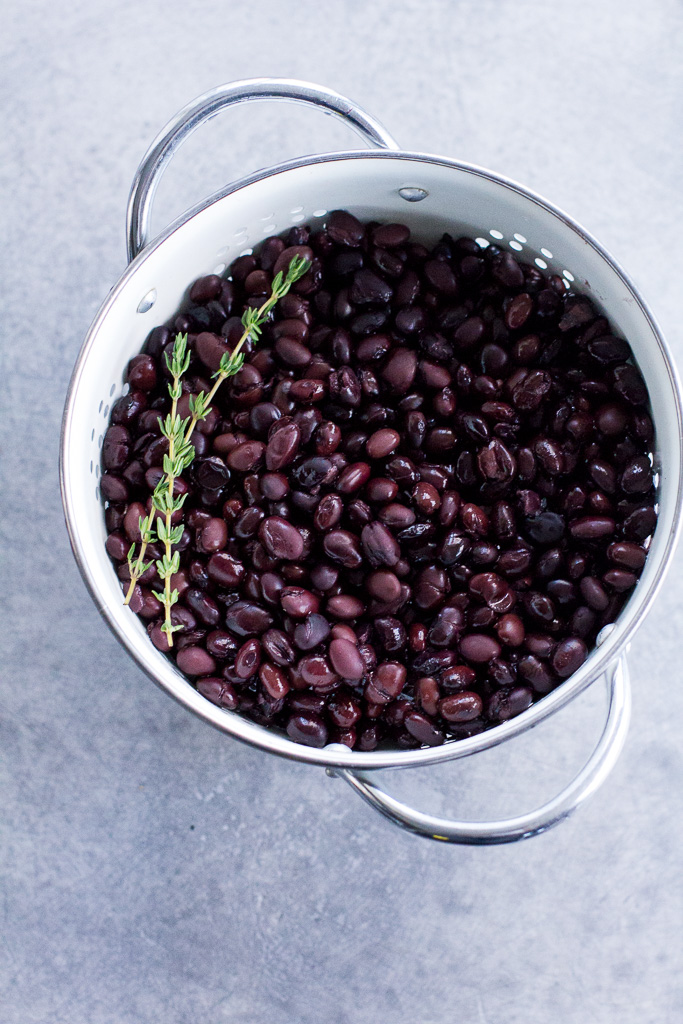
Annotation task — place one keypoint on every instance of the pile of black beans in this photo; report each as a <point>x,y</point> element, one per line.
<point>417,504</point>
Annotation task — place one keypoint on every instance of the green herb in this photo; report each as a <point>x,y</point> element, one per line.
<point>158,525</point>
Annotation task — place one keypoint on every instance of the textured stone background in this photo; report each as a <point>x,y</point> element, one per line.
<point>154,870</point>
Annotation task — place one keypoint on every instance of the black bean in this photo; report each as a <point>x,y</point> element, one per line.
<point>469,333</point>
<point>116,447</point>
<point>569,655</point>
<point>218,691</point>
<point>423,729</point>
<point>390,633</point>
<point>592,527</point>
<point>536,673</point>
<point>461,707</point>
<point>278,647</point>
<point>248,659</point>
<point>379,545</point>
<point>368,288</point>
<point>627,554</point>
<point>507,270</point>
<point>386,683</point>
<point>345,229</point>
<point>493,591</point>
<point>446,627</point>
<point>509,703</point>
<point>518,311</point>
<point>343,547</point>
<point>479,647</point>
<point>273,681</point>
<point>593,593</point>
<point>496,462</point>
<point>400,369</point>
<point>353,477</point>
<point>195,661</point>
<point>282,447</point>
<point>431,587</point>
<point>298,602</point>
<point>619,579</point>
<point>281,539</point>
<point>637,476</point>
<point>390,235</point>
<point>345,606</point>
<point>113,487</point>
<point>204,606</point>
<point>308,729</point>
<point>347,663</point>
<point>382,584</point>
<point>629,383</point>
<point>245,618</point>
<point>127,408</point>
<point>382,443</point>
<point>440,277</point>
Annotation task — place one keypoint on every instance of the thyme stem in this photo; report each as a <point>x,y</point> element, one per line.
<point>158,525</point>
<point>253,322</point>
<point>136,572</point>
<point>170,483</point>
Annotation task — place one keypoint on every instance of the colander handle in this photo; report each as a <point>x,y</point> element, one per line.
<point>211,103</point>
<point>509,830</point>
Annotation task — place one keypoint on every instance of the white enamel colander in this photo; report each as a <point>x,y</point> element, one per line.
<point>431,194</point>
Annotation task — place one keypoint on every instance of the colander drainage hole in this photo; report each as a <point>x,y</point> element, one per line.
<point>413,194</point>
<point>147,301</point>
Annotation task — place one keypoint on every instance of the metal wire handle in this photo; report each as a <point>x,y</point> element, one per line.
<point>488,833</point>
<point>211,103</point>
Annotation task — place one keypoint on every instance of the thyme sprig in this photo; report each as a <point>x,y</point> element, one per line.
<point>158,525</point>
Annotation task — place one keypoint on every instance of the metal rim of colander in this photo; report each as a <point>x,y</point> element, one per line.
<point>267,739</point>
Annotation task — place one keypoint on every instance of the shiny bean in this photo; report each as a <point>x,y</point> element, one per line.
<point>423,729</point>
<point>195,661</point>
<point>248,659</point>
<point>298,602</point>
<point>478,647</point>
<point>379,545</point>
<point>399,370</point>
<point>282,447</point>
<point>281,539</point>
<point>568,656</point>
<point>344,606</point>
<point>343,547</point>
<point>308,729</point>
<point>461,707</point>
<point>382,443</point>
<point>347,663</point>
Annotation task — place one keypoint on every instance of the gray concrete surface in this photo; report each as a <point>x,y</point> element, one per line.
<point>153,870</point>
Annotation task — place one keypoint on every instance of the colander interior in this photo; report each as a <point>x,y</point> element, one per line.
<point>431,195</point>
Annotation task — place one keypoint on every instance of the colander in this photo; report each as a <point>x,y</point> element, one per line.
<point>431,194</point>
